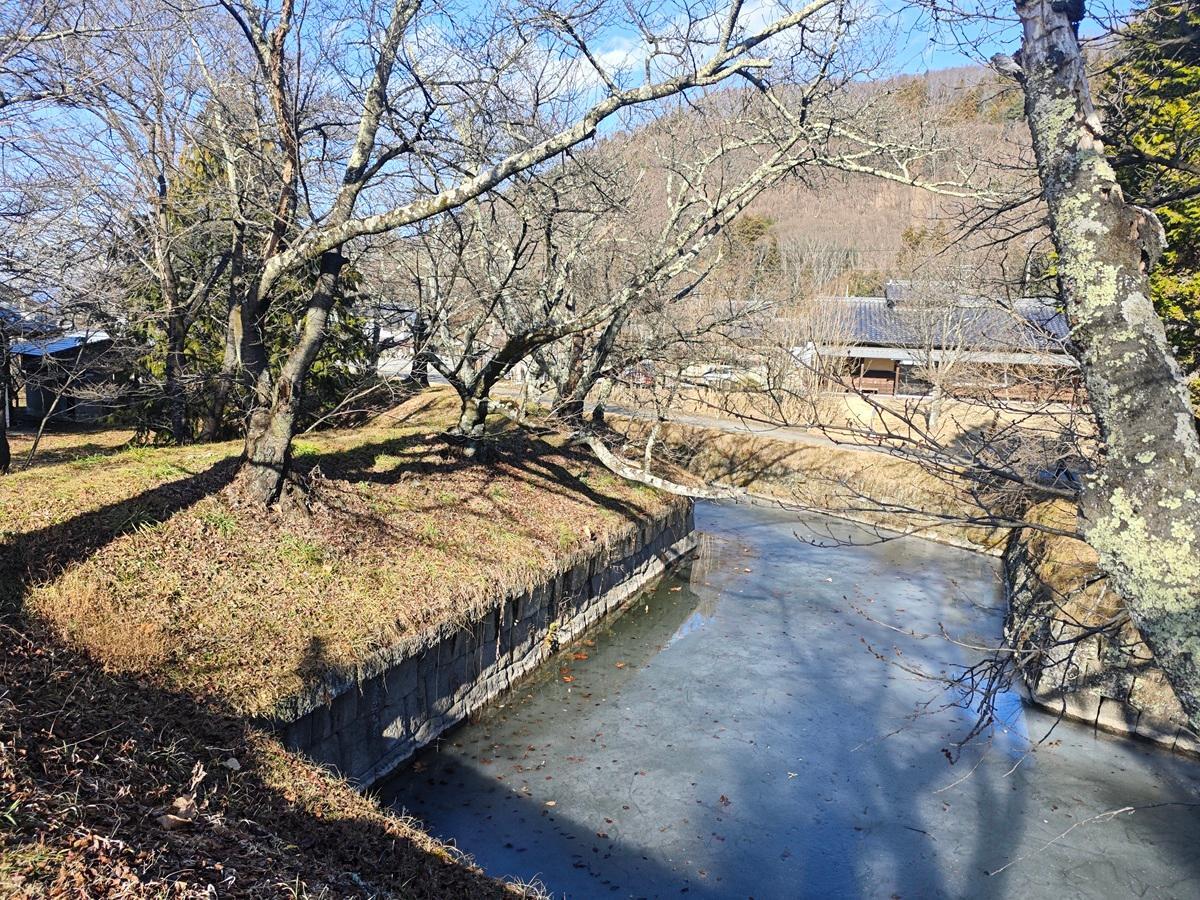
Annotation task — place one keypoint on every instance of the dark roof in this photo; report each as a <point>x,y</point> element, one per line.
<point>51,346</point>
<point>16,323</point>
<point>1030,325</point>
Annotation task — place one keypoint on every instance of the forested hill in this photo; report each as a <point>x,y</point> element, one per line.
<point>850,232</point>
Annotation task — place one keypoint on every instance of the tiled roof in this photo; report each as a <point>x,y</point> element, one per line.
<point>1032,325</point>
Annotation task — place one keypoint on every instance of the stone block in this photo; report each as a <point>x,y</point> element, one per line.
<point>1152,694</point>
<point>328,753</point>
<point>344,708</point>
<point>322,723</point>
<point>529,602</point>
<point>1187,742</point>
<point>298,734</point>
<point>404,677</point>
<point>1157,730</point>
<point>462,643</point>
<point>1116,716</point>
<point>487,656</point>
<point>1083,706</point>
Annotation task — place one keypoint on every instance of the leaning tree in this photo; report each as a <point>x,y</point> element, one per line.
<point>1140,510</point>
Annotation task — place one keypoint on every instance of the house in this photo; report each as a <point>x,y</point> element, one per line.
<point>899,344</point>
<point>64,374</point>
<point>16,325</point>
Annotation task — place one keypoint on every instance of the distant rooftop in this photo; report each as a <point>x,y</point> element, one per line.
<point>62,343</point>
<point>18,323</point>
<point>1028,325</point>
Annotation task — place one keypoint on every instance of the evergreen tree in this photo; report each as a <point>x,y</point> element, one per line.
<point>1152,107</point>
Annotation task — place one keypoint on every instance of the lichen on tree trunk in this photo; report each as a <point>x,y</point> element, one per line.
<point>1141,509</point>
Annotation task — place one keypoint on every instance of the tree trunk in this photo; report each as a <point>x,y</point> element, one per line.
<point>1141,509</point>
<point>570,412</point>
<point>587,367</point>
<point>214,414</point>
<point>210,429</point>
<point>176,349</point>
<point>269,437</point>
<point>418,375</point>
<point>472,421</point>
<point>5,388</point>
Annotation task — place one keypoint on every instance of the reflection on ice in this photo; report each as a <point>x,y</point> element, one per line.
<point>750,729</point>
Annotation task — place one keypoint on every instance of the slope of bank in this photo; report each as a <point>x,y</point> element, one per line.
<point>1074,643</point>
<point>111,787</point>
<point>151,562</point>
<point>862,484</point>
<point>150,614</point>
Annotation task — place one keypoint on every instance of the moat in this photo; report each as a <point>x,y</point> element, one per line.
<point>757,727</point>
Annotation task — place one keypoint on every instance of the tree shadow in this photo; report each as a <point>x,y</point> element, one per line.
<point>542,465</point>
<point>92,759</point>
<point>31,557</point>
<point>95,758</point>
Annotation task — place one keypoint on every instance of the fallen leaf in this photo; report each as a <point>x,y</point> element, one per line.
<point>170,822</point>
<point>579,656</point>
<point>620,665</point>
<point>552,803</point>
<point>568,678</point>
<point>182,812</point>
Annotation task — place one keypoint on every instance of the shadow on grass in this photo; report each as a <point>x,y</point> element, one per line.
<point>538,463</point>
<point>34,556</point>
<point>89,760</point>
<point>92,759</point>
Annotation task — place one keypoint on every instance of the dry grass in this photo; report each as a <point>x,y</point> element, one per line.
<point>145,609</point>
<point>90,761</point>
<point>214,598</point>
<point>882,419</point>
<point>55,447</point>
<point>1068,567</point>
<point>856,484</point>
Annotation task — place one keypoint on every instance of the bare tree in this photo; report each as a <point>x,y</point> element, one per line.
<point>486,112</point>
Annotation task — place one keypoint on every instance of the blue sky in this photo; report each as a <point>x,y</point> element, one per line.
<point>924,46</point>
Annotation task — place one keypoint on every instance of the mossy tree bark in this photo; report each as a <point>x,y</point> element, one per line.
<point>1141,509</point>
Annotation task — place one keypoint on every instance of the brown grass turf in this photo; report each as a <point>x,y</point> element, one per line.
<point>146,608</point>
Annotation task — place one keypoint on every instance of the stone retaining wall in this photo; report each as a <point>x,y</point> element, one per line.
<point>1107,679</point>
<point>366,724</point>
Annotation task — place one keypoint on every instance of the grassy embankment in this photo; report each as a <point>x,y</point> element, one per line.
<point>857,484</point>
<point>832,456</point>
<point>148,612</point>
